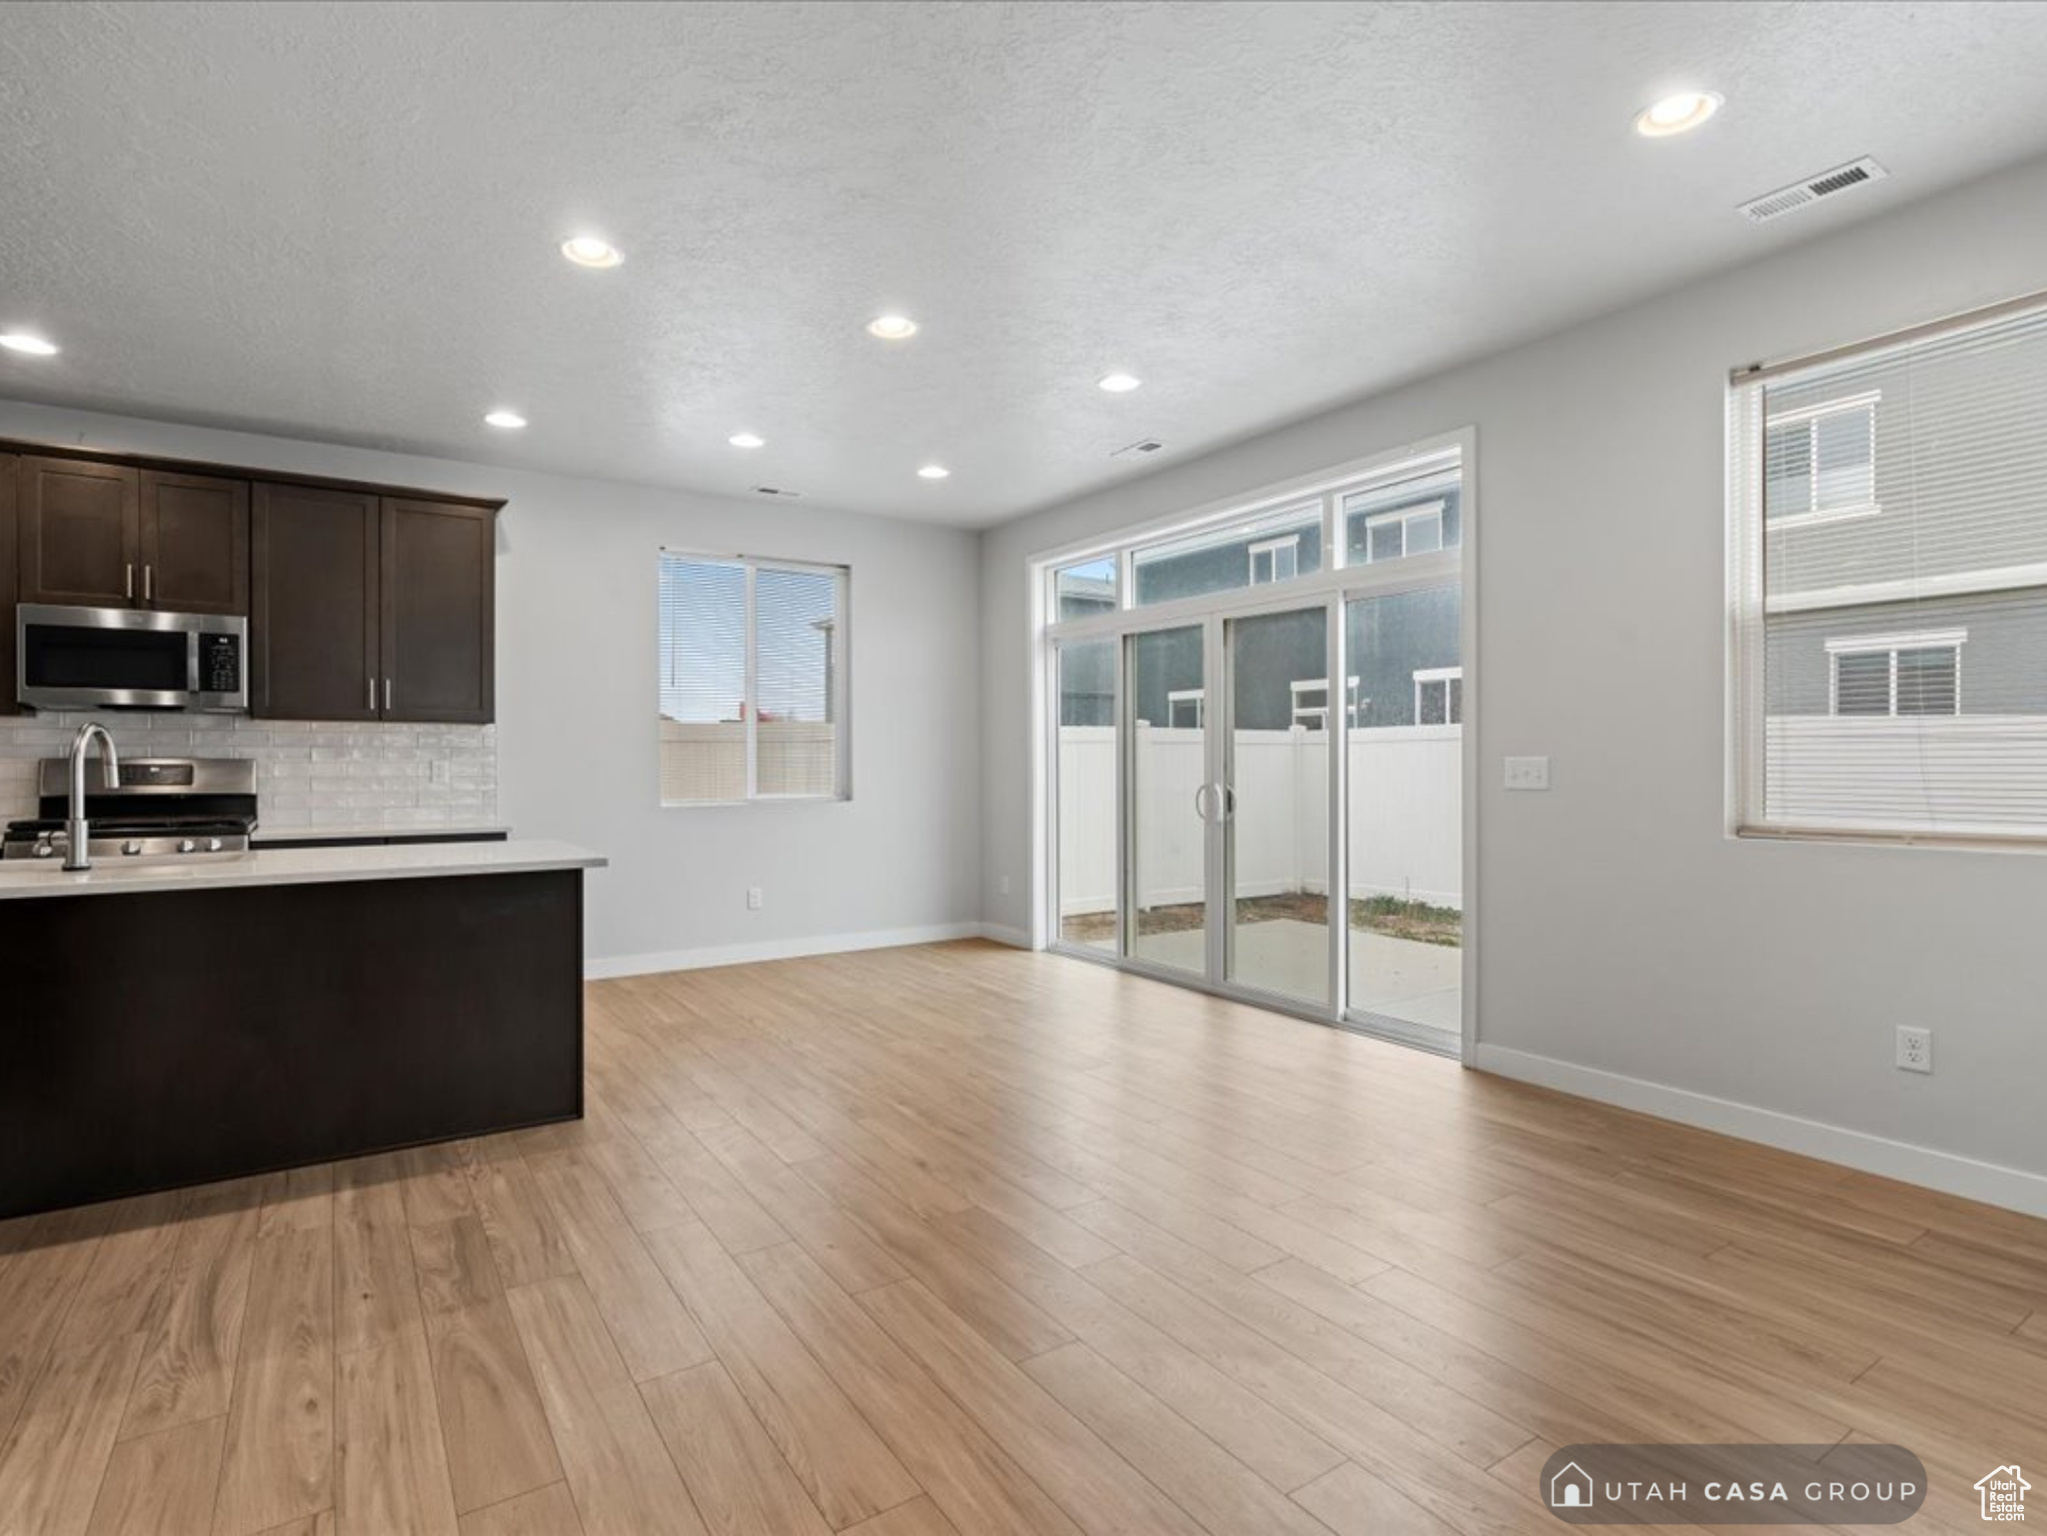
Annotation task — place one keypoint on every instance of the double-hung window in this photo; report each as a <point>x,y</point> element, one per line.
<point>753,669</point>
<point>1821,461</point>
<point>1898,674</point>
<point>1404,531</point>
<point>1439,696</point>
<point>1276,559</point>
<point>1888,519</point>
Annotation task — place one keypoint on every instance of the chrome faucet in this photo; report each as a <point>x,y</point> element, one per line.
<point>77,835</point>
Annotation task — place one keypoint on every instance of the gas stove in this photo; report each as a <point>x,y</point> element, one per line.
<point>165,808</point>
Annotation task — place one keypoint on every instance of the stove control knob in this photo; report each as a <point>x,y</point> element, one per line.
<point>132,847</point>
<point>213,845</point>
<point>186,845</point>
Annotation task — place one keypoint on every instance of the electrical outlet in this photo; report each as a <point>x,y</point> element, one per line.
<point>1915,1049</point>
<point>1528,773</point>
<point>753,898</point>
<point>437,770</point>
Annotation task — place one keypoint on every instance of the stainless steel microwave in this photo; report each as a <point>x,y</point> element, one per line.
<point>130,658</point>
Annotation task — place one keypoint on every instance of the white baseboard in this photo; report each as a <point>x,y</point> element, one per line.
<point>776,949</point>
<point>997,933</point>
<point>1950,1172</point>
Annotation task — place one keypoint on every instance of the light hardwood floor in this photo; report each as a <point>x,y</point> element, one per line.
<point>957,1240</point>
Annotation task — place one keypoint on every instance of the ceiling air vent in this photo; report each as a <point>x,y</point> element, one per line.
<point>1142,446</point>
<point>1800,194</point>
<point>776,490</point>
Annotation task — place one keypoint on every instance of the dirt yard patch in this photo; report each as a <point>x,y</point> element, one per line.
<point>1415,921</point>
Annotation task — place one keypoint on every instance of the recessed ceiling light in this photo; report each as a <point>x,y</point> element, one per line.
<point>892,327</point>
<point>1677,114</point>
<point>1118,383</point>
<point>511,421</point>
<point>22,341</point>
<point>933,472</point>
<point>589,251</point>
<point>747,440</point>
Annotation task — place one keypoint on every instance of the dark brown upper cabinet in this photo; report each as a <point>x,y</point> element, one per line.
<point>438,611</point>
<point>313,632</point>
<point>81,532</point>
<point>195,543</point>
<point>111,536</point>
<point>9,465</point>
<point>370,608</point>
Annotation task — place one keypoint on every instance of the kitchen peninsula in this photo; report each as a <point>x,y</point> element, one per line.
<point>179,1022</point>
<point>222,993</point>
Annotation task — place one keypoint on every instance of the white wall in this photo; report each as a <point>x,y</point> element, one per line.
<point>1621,932</point>
<point>578,755</point>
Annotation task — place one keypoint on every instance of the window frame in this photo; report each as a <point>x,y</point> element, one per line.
<point>1810,417</point>
<point>1175,697</point>
<point>1290,543</point>
<point>839,703</point>
<point>1892,645</point>
<point>1419,512</point>
<point>1428,676</point>
<point>1747,812</point>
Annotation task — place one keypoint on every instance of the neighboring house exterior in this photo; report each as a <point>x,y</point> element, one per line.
<point>1403,649</point>
<point>1901,579</point>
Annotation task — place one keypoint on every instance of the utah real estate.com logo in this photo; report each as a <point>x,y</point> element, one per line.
<point>2004,1495</point>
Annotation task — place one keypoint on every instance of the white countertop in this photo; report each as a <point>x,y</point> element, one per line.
<point>293,866</point>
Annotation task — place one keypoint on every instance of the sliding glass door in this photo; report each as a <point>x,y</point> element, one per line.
<point>1274,804</point>
<point>1169,787</point>
<point>1084,796</point>
<point>1257,769</point>
<point>1405,789</point>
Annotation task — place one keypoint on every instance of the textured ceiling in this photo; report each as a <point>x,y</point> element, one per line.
<point>341,221</point>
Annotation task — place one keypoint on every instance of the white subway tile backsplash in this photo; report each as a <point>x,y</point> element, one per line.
<point>308,773</point>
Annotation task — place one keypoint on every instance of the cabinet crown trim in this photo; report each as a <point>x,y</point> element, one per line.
<point>251,473</point>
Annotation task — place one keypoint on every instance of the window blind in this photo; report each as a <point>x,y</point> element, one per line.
<point>1888,517</point>
<point>752,679</point>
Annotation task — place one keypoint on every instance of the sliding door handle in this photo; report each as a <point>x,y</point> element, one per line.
<point>1201,793</point>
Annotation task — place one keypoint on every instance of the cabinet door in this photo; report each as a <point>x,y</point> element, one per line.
<point>195,543</point>
<point>79,532</point>
<point>439,611</point>
<point>8,466</point>
<point>313,604</point>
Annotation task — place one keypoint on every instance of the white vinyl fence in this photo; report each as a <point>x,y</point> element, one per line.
<point>707,761</point>
<point>1405,810</point>
<point>1962,774</point>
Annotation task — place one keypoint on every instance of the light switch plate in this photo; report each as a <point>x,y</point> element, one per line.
<point>1528,773</point>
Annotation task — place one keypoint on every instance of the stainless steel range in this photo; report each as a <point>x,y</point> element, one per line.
<point>162,808</point>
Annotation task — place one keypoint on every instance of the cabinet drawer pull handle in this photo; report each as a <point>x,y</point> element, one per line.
<point>147,582</point>
<point>387,695</point>
<point>128,584</point>
<point>373,695</point>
